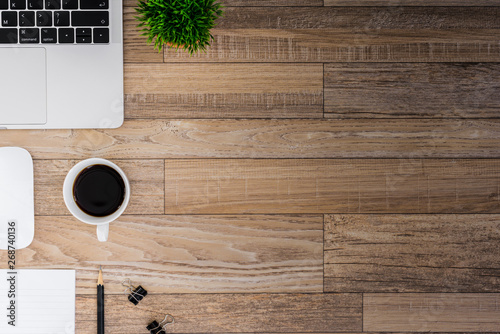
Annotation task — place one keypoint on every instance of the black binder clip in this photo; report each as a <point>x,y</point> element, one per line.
<point>159,328</point>
<point>136,293</point>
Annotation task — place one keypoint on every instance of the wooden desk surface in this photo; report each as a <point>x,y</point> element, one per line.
<point>321,168</point>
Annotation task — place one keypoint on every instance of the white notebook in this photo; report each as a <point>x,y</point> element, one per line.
<point>44,302</point>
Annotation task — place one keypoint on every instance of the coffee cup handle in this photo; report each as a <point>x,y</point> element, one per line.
<point>102,232</point>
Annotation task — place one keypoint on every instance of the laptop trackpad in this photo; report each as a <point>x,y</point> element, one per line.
<point>23,86</point>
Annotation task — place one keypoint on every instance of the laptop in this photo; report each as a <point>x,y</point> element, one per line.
<point>61,64</point>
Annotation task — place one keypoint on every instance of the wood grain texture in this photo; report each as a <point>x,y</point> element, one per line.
<point>157,139</point>
<point>411,3</point>
<point>224,91</point>
<point>353,34</point>
<point>371,90</point>
<point>318,186</point>
<point>223,313</point>
<point>336,45</point>
<point>192,254</point>
<point>145,177</point>
<point>366,18</point>
<point>412,253</point>
<point>259,3</point>
<point>265,3</point>
<point>448,312</point>
<point>249,244</point>
<point>135,48</point>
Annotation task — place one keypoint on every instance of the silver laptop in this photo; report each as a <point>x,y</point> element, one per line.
<point>61,64</point>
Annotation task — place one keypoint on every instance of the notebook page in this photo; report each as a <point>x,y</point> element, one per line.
<point>44,301</point>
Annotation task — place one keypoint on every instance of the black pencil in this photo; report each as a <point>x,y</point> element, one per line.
<point>100,303</point>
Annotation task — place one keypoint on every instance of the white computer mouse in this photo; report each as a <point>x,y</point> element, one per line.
<point>17,208</point>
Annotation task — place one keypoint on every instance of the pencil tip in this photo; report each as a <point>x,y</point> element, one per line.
<point>99,279</point>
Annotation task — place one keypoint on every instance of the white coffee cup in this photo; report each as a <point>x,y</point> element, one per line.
<point>102,223</point>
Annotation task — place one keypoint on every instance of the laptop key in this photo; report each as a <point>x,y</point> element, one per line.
<point>101,35</point>
<point>29,36</point>
<point>66,35</point>
<point>35,4</point>
<point>84,39</point>
<point>44,19</point>
<point>89,18</point>
<point>49,35</point>
<point>94,4</point>
<point>84,35</point>
<point>70,4</point>
<point>84,32</point>
<point>27,19</point>
<point>9,19</point>
<point>17,4</point>
<point>8,36</point>
<point>52,4</point>
<point>61,19</point>
<point>4,4</point>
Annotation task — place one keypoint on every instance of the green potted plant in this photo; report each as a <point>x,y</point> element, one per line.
<point>179,24</point>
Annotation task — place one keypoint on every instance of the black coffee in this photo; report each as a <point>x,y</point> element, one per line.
<point>99,190</point>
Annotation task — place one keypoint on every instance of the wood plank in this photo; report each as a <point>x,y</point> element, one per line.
<point>342,45</point>
<point>222,313</point>
<point>366,18</point>
<point>374,90</point>
<point>260,3</point>
<point>155,139</point>
<point>266,3</point>
<point>336,186</point>
<point>147,193</point>
<point>176,254</point>
<point>353,34</point>
<point>224,91</point>
<point>411,3</point>
<point>448,312</point>
<point>135,48</point>
<point>412,253</point>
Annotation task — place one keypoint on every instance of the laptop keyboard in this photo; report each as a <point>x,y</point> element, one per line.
<point>54,21</point>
